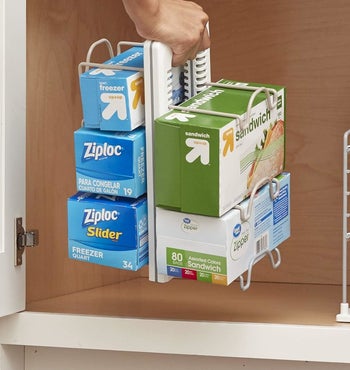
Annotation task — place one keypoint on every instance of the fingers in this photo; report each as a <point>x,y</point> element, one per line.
<point>197,38</point>
<point>180,58</point>
<point>205,42</point>
<point>180,24</point>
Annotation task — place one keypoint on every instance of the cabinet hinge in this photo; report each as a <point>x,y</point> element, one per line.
<point>24,239</point>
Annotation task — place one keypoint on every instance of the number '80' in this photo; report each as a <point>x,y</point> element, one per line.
<point>178,257</point>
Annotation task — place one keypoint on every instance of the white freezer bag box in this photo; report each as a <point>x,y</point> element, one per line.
<point>218,250</point>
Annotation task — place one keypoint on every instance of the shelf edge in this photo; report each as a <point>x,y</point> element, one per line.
<point>222,339</point>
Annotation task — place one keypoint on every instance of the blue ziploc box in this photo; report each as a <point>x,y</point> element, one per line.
<point>113,100</point>
<point>107,230</point>
<point>112,163</point>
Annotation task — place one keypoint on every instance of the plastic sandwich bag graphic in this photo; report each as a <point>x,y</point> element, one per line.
<point>269,156</point>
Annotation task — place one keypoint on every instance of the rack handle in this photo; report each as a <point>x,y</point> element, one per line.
<point>274,192</point>
<point>127,43</point>
<point>207,111</point>
<point>106,66</point>
<point>93,46</point>
<point>243,123</point>
<point>88,64</point>
<point>275,263</point>
<point>271,101</point>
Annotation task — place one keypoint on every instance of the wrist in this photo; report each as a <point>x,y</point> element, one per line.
<point>144,14</point>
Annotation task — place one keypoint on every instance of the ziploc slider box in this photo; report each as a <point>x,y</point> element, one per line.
<point>207,164</point>
<point>219,250</point>
<point>111,163</point>
<point>114,99</point>
<point>108,231</point>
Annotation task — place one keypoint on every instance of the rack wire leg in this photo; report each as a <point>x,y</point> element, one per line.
<point>344,315</point>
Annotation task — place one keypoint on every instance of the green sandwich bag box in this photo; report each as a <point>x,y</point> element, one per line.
<point>209,155</point>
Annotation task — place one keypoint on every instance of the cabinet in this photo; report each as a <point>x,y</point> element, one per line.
<point>287,314</point>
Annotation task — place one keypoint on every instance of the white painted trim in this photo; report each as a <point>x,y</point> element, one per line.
<point>12,358</point>
<point>46,358</point>
<point>12,149</point>
<point>2,103</point>
<point>241,340</point>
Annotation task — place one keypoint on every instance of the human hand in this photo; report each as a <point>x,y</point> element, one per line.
<point>180,24</point>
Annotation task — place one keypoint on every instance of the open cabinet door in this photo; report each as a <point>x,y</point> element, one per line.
<point>12,150</point>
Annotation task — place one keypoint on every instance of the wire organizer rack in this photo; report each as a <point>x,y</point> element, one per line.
<point>344,315</point>
<point>158,79</point>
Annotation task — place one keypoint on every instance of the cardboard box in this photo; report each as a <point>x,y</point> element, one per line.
<point>178,83</point>
<point>113,100</point>
<point>109,231</point>
<point>112,163</point>
<point>206,164</point>
<point>219,250</point>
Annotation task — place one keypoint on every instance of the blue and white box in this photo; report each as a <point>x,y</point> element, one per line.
<point>218,250</point>
<point>109,231</point>
<point>112,163</point>
<point>113,100</point>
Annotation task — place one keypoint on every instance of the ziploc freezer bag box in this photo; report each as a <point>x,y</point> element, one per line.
<point>111,163</point>
<point>219,249</point>
<point>114,99</point>
<point>206,164</point>
<point>107,230</point>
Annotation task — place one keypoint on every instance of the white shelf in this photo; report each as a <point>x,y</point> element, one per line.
<point>246,340</point>
<point>270,321</point>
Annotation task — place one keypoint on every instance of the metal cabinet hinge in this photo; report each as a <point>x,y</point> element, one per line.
<point>24,239</point>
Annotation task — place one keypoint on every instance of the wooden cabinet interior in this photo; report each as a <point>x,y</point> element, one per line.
<point>302,45</point>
